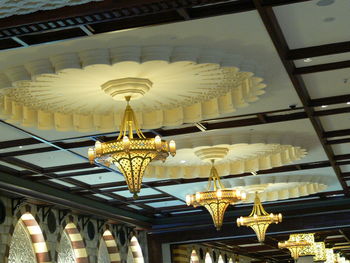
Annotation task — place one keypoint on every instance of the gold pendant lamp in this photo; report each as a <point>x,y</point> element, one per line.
<point>129,154</point>
<point>259,220</point>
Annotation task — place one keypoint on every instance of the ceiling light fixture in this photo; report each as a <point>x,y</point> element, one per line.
<point>131,155</point>
<point>299,245</point>
<point>259,220</point>
<point>348,103</point>
<point>324,106</point>
<point>307,60</point>
<point>216,198</point>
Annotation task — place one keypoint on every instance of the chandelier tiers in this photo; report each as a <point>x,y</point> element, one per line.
<point>302,244</point>
<point>131,155</point>
<point>259,220</point>
<point>216,198</point>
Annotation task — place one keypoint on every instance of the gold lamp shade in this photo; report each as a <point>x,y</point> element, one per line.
<point>131,155</point>
<point>299,245</point>
<point>259,220</point>
<point>216,199</point>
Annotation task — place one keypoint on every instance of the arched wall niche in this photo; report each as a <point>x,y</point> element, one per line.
<point>135,252</point>
<point>208,258</point>
<point>108,249</point>
<point>27,242</point>
<point>194,257</point>
<point>72,247</point>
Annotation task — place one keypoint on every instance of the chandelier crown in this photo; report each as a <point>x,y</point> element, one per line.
<point>131,155</point>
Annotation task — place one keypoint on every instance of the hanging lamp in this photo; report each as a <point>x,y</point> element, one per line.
<point>299,245</point>
<point>216,198</point>
<point>259,220</point>
<point>129,154</point>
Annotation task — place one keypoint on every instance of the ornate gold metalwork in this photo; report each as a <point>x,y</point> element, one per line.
<point>299,245</point>
<point>320,251</point>
<point>216,199</point>
<point>131,155</point>
<point>330,257</point>
<point>259,220</point>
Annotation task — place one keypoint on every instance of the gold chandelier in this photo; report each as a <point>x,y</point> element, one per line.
<point>299,245</point>
<point>216,198</point>
<point>131,155</point>
<point>259,220</point>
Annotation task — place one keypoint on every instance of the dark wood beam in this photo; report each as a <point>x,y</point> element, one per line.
<point>336,133</point>
<point>272,26</point>
<point>322,67</point>
<point>338,141</point>
<point>330,100</point>
<point>316,51</point>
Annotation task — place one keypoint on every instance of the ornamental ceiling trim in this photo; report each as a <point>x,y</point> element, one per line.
<point>77,91</point>
<point>242,153</point>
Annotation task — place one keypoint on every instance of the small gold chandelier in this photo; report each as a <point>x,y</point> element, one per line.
<point>299,245</point>
<point>216,198</point>
<point>259,220</point>
<point>131,155</point>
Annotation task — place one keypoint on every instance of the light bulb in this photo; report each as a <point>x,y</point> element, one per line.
<point>126,143</point>
<point>91,155</point>
<point>198,196</point>
<point>188,200</point>
<point>172,148</point>
<point>219,193</point>
<point>158,143</point>
<point>98,148</point>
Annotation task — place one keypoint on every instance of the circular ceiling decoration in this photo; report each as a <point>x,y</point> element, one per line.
<point>234,154</point>
<point>169,87</point>
<point>277,187</point>
<point>13,7</point>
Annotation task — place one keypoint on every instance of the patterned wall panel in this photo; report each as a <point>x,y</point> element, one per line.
<point>136,250</point>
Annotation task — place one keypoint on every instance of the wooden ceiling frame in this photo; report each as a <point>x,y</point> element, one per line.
<point>273,28</point>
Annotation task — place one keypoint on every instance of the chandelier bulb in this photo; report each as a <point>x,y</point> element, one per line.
<point>158,143</point>
<point>98,148</point>
<point>188,200</point>
<point>91,155</point>
<point>126,143</point>
<point>172,148</point>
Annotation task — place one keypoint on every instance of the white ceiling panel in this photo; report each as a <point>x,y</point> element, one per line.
<point>9,133</point>
<point>336,122</point>
<point>328,83</point>
<point>52,158</point>
<point>165,204</point>
<point>309,24</point>
<point>101,178</point>
<point>341,148</point>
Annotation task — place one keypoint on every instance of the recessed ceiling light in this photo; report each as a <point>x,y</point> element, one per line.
<point>307,60</point>
<point>325,2</point>
<point>348,103</point>
<point>182,161</point>
<point>20,147</point>
<point>324,106</point>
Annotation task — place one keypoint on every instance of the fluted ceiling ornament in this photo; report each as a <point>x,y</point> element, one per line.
<point>259,220</point>
<point>216,198</point>
<point>184,85</point>
<point>299,245</point>
<point>131,155</point>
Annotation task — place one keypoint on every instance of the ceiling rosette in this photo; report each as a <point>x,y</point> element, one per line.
<point>235,153</point>
<point>82,91</point>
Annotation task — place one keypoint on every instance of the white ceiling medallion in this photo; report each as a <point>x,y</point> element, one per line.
<point>14,7</point>
<point>234,153</point>
<point>169,85</point>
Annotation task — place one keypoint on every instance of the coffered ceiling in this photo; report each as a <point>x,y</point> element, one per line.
<point>299,48</point>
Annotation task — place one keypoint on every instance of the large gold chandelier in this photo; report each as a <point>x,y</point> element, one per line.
<point>259,220</point>
<point>299,245</point>
<point>131,155</point>
<point>216,198</point>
